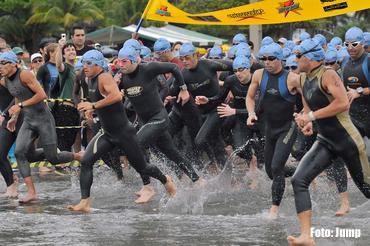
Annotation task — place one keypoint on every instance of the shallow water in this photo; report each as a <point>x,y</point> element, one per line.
<point>213,215</point>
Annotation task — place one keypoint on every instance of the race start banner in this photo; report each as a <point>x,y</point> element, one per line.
<point>259,13</point>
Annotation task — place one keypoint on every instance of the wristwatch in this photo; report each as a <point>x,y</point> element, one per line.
<point>360,90</point>
<point>20,105</point>
<point>183,87</point>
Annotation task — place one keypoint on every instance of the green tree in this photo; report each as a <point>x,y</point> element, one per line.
<point>64,12</point>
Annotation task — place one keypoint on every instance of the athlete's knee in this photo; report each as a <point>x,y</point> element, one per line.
<point>299,183</point>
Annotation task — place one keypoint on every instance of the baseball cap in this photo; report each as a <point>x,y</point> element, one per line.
<point>17,50</point>
<point>35,55</point>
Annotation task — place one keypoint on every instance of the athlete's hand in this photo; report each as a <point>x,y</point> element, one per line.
<point>84,106</point>
<point>199,100</point>
<point>168,99</point>
<point>89,114</point>
<point>301,119</point>
<point>15,109</point>
<point>224,110</point>
<point>11,124</point>
<point>352,94</point>
<point>251,120</point>
<point>183,97</point>
<point>307,129</point>
<point>229,97</point>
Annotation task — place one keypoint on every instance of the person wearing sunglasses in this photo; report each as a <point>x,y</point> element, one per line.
<point>278,89</point>
<point>326,103</point>
<point>38,120</point>
<point>356,76</point>
<point>291,64</point>
<point>36,62</point>
<point>106,102</point>
<point>140,88</point>
<point>331,58</point>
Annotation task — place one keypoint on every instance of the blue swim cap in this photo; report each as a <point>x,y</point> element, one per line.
<point>94,56</point>
<point>241,62</point>
<point>342,54</point>
<point>243,51</point>
<point>145,52</point>
<point>321,39</point>
<point>331,55</point>
<point>133,43</point>
<point>367,39</point>
<point>78,65</point>
<point>187,49</point>
<point>304,35</point>
<point>239,38</point>
<point>354,34</point>
<point>291,61</point>
<point>231,52</point>
<point>128,53</point>
<point>314,50</point>
<point>336,41</point>
<point>9,56</point>
<point>272,50</point>
<point>161,44</point>
<point>289,44</point>
<point>286,53</point>
<point>215,52</point>
<point>266,41</point>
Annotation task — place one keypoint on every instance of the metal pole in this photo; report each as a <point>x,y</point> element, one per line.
<point>255,34</point>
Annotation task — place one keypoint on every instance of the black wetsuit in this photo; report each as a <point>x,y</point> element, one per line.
<point>280,130</point>
<point>7,138</point>
<point>142,90</point>
<point>356,73</point>
<point>337,137</point>
<point>37,122</point>
<point>116,132</point>
<point>237,123</point>
<point>203,81</point>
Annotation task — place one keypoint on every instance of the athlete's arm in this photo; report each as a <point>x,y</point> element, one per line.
<point>29,80</point>
<point>108,87</point>
<point>59,57</point>
<point>221,65</point>
<point>249,100</point>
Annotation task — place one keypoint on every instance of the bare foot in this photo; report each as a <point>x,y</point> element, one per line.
<point>83,206</point>
<point>343,210</point>
<point>28,198</point>
<point>170,186</point>
<point>138,193</point>
<point>146,195</point>
<point>78,156</point>
<point>273,213</point>
<point>301,240</point>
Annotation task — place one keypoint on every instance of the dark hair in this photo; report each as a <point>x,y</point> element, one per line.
<point>79,27</point>
<point>45,41</point>
<point>176,43</point>
<point>251,44</point>
<point>68,44</point>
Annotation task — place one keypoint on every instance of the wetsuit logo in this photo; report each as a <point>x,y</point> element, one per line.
<point>134,91</point>
<point>353,82</point>
<point>289,6</point>
<point>194,86</point>
<point>272,91</point>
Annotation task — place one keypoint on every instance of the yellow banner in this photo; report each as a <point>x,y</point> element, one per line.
<point>263,12</point>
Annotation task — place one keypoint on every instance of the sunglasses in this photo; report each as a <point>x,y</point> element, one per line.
<point>37,61</point>
<point>291,67</point>
<point>353,44</point>
<point>299,55</point>
<point>88,63</point>
<point>214,58</point>
<point>4,63</point>
<point>241,69</point>
<point>330,63</point>
<point>269,58</point>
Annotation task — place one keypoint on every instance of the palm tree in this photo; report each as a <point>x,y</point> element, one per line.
<point>64,12</point>
<point>124,12</point>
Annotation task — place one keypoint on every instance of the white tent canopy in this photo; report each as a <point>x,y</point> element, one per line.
<point>115,34</point>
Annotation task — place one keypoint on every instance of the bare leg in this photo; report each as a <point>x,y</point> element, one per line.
<point>305,237</point>
<point>31,193</point>
<point>83,206</point>
<point>344,204</point>
<point>273,213</point>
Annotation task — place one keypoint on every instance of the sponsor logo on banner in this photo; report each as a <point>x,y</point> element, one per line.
<point>163,11</point>
<point>342,5</point>
<point>247,14</point>
<point>289,6</point>
<point>207,18</point>
<point>327,1</point>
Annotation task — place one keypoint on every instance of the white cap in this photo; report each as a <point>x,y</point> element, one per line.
<point>35,55</point>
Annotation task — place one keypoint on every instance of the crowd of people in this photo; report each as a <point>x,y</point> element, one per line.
<point>306,100</point>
